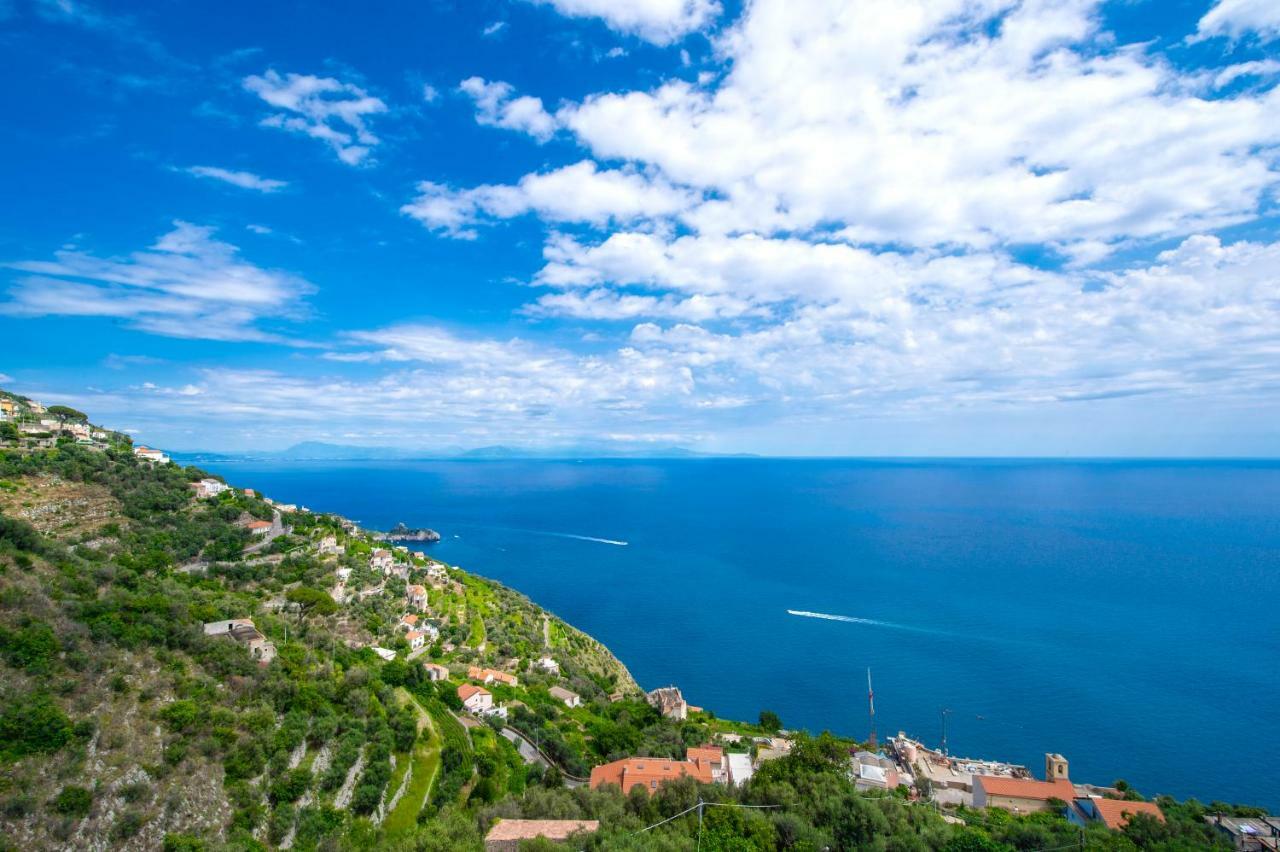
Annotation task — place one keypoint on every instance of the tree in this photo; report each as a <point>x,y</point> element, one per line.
<point>312,601</point>
<point>66,412</point>
<point>770,722</point>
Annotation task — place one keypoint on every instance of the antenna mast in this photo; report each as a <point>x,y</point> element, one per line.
<point>871,706</point>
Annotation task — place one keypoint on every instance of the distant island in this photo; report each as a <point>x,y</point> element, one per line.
<point>400,532</point>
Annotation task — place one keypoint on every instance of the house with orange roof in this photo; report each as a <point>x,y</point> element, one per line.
<point>416,596</point>
<point>435,671</point>
<point>650,773</point>
<point>1113,813</point>
<point>258,527</point>
<point>409,622</point>
<point>381,560</point>
<point>416,639</point>
<point>476,699</point>
<point>492,675</point>
<point>148,454</point>
<point>713,757</point>
<point>1020,795</point>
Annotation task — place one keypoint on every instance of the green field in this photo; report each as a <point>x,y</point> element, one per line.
<point>426,764</point>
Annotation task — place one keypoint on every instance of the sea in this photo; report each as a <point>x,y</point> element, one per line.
<point>1125,614</point>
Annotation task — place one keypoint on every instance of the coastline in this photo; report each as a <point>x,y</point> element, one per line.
<point>699,599</point>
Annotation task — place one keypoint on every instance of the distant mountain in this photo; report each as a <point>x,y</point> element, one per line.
<point>322,451</point>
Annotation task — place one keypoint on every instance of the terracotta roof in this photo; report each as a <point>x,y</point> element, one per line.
<point>417,590</point>
<point>647,772</point>
<point>528,829</point>
<point>258,525</point>
<point>1026,788</point>
<point>467,690</point>
<point>410,619</point>
<point>705,754</point>
<point>1116,812</point>
<point>413,634</point>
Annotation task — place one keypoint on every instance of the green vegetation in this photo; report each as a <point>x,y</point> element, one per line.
<point>120,719</point>
<point>73,801</point>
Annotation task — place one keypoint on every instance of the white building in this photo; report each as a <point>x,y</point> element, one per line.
<point>329,545</point>
<point>381,560</point>
<point>209,488</point>
<point>570,699</point>
<point>150,455</point>
<point>242,630</point>
<point>873,772</point>
<point>548,665</point>
<point>385,653</point>
<point>416,597</point>
<point>739,768</point>
<point>416,639</point>
<point>476,699</point>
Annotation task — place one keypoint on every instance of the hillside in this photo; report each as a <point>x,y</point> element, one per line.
<point>189,665</point>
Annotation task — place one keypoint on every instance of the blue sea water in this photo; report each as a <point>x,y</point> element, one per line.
<point>1121,613</point>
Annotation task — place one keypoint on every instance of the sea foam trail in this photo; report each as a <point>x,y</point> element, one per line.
<point>586,538</point>
<point>849,619</point>
<point>612,541</point>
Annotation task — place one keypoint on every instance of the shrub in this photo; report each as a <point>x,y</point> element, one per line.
<point>33,648</point>
<point>73,801</point>
<point>290,786</point>
<point>129,823</point>
<point>31,724</point>
<point>181,715</point>
<point>183,843</point>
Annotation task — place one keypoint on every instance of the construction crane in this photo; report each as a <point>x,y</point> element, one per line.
<point>871,707</point>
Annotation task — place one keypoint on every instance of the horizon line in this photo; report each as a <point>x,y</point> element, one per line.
<point>696,455</point>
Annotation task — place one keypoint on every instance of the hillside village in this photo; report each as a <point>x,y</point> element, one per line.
<point>190,663</point>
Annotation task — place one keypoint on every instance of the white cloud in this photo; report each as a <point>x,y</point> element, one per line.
<point>1260,68</point>
<point>320,107</point>
<point>577,193</point>
<point>493,29</point>
<point>187,284</point>
<point>659,21</point>
<point>244,180</point>
<point>1238,18</point>
<point>1199,322</point>
<point>429,93</point>
<point>496,107</point>
<point>879,119</point>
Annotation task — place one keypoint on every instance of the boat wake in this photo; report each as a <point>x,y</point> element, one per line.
<point>614,542</point>
<point>849,619</point>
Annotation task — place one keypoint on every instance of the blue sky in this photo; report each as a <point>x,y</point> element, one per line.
<point>962,227</point>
